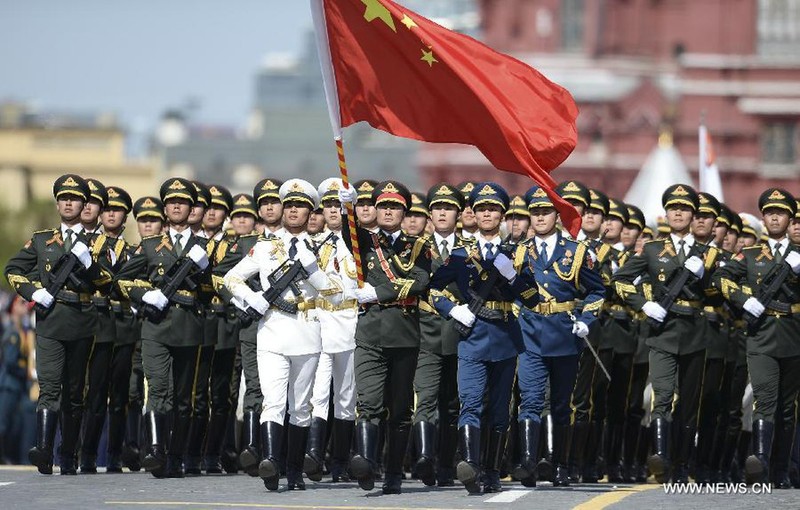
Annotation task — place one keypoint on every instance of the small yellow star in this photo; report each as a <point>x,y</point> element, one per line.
<point>375,9</point>
<point>408,22</point>
<point>428,57</point>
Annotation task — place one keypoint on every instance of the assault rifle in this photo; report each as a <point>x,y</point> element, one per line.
<point>177,275</point>
<point>62,271</point>
<point>773,282</point>
<point>477,298</point>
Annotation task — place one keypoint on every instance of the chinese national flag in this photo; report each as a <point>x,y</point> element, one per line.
<point>408,76</point>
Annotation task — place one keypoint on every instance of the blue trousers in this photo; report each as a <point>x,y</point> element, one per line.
<point>534,370</point>
<point>476,378</point>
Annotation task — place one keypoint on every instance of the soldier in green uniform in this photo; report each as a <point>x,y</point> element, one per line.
<point>468,222</point>
<point>172,330</point>
<point>417,216</point>
<point>397,272</point>
<point>435,383</point>
<point>65,320</point>
<point>366,213</point>
<point>773,353</point>
<point>677,341</point>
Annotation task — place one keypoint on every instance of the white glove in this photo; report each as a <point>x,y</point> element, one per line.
<point>505,266</point>
<point>306,258</point>
<point>462,314</point>
<point>654,311</point>
<point>580,329</point>
<point>43,297</point>
<point>695,265</point>
<point>156,298</point>
<point>754,307</point>
<point>257,302</point>
<point>348,195</point>
<point>366,294</point>
<point>793,259</point>
<point>198,256</point>
<point>81,251</point>
<point>239,303</point>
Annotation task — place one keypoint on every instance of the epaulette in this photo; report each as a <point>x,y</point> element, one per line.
<point>47,231</point>
<point>251,234</point>
<point>154,236</point>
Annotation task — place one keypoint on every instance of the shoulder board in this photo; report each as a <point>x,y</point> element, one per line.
<point>752,249</point>
<point>519,255</point>
<point>711,257</point>
<point>150,238</point>
<point>603,252</point>
<point>49,231</point>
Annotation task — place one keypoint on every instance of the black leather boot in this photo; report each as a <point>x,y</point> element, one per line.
<point>468,470</point>
<point>229,457</point>
<point>494,460</point>
<point>70,430</point>
<point>250,457</point>
<point>728,455</point>
<point>561,447</point>
<point>363,463</point>
<point>131,454</point>
<point>794,466</point>
<point>269,468</point>
<point>658,463</point>
<point>194,448</point>
<point>782,454</point>
<point>41,455</point>
<point>425,467</point>
<point>579,433</point>
<point>613,450</point>
<point>630,445</point>
<point>528,439</point>
<point>684,449</point>
<point>315,452</point>
<point>448,444</point>
<point>296,440</point>
<point>176,453</point>
<point>217,427</point>
<point>340,449</point>
<point>546,468</point>
<point>642,451</point>
<point>590,472</point>
<point>397,445</point>
<point>756,467</point>
<point>92,429</point>
<point>156,458</point>
<point>116,435</point>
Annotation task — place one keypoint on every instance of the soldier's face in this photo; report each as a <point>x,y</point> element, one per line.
<point>271,210</point>
<point>332,213</point>
<point>91,212</point>
<point>679,217</point>
<point>730,241</point>
<point>517,225</point>
<point>794,231</point>
<point>113,218</point>
<point>69,208</point>
<point>213,217</point>
<point>578,205</point>
<point>366,212</point>
<point>390,216</point>
<point>613,228</point>
<point>177,210</point>
<point>149,226</point>
<point>703,224</point>
<point>720,231</point>
<point>630,235</point>
<point>316,223</point>
<point>488,217</point>
<point>414,223</point>
<point>592,220</point>
<point>196,214</point>
<point>295,215</point>
<point>776,220</point>
<point>444,217</point>
<point>543,220</point>
<point>468,218</point>
<point>243,223</point>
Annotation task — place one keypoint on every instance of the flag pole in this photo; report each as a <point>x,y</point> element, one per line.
<point>332,99</point>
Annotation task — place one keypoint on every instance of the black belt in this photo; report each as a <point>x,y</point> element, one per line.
<point>179,299</point>
<point>684,310</point>
<point>72,298</point>
<point>101,301</point>
<point>714,317</point>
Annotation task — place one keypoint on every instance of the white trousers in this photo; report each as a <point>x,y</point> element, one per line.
<point>338,366</point>
<point>286,378</point>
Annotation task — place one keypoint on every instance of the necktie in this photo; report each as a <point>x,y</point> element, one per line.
<point>444,252</point>
<point>489,251</point>
<point>68,240</point>
<point>293,248</point>
<point>778,254</point>
<point>681,252</point>
<point>543,251</point>
<point>178,245</point>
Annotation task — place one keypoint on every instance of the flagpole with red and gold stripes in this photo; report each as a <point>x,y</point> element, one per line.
<point>351,217</point>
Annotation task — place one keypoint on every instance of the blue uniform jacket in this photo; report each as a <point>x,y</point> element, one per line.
<point>568,275</point>
<point>489,340</point>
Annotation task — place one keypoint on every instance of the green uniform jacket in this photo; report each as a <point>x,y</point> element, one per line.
<point>617,328</point>
<point>228,253</point>
<point>183,325</point>
<point>29,270</point>
<point>606,255</point>
<point>682,332</point>
<point>719,340</point>
<point>740,279</point>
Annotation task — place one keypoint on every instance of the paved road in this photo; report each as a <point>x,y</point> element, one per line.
<point>24,488</point>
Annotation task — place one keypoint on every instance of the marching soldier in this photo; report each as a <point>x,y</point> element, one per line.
<point>763,281</point>
<point>387,334</point>
<point>487,353</point>
<point>416,219</point>
<point>338,329</point>
<point>270,209</point>
<point>676,266</point>
<point>199,208</point>
<point>366,213</point>
<point>172,329</point>
<point>518,220</point>
<point>552,334</point>
<point>435,380</point>
<point>65,320</point>
<point>469,226</point>
<point>289,333</point>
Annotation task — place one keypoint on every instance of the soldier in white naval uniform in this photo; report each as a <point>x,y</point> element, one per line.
<point>288,344</point>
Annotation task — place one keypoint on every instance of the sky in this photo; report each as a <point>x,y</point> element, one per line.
<point>139,58</point>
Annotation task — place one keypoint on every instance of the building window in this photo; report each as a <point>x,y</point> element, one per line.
<point>779,143</point>
<point>778,27</point>
<point>572,25</point>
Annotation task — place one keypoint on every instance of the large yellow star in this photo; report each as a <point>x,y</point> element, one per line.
<point>375,9</point>
<point>427,56</point>
<point>408,22</point>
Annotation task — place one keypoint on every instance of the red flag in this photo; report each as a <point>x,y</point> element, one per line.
<point>410,77</point>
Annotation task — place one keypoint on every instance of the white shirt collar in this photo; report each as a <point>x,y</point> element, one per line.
<point>688,240</point>
<point>549,244</point>
<point>185,235</point>
<point>392,237</point>
<point>783,243</point>
<point>482,241</point>
<point>451,240</point>
<point>619,246</point>
<point>76,229</point>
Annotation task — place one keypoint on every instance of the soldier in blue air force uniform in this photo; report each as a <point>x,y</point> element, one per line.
<point>553,333</point>
<point>487,355</point>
